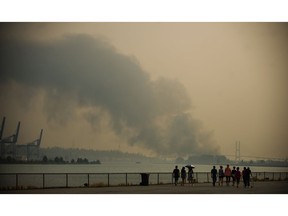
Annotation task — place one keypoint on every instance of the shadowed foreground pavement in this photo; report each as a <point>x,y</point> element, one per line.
<point>276,187</point>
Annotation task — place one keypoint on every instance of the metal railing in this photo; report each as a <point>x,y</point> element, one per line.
<point>10,181</point>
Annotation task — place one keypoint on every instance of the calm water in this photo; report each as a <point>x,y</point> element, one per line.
<point>112,167</point>
<point>98,174</point>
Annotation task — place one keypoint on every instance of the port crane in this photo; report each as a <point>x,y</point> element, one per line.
<point>9,146</point>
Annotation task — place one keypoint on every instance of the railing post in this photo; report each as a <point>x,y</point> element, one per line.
<point>43,180</point>
<point>264,177</point>
<point>108,180</point>
<point>66,180</point>
<point>158,178</point>
<point>207,177</point>
<point>273,176</point>
<point>126,179</point>
<point>88,180</point>
<point>16,181</point>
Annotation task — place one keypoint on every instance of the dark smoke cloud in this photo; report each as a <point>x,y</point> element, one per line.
<point>80,71</point>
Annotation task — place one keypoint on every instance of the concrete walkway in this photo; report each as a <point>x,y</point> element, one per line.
<point>271,187</point>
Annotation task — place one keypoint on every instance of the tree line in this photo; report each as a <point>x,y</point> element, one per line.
<point>60,160</point>
<point>46,160</point>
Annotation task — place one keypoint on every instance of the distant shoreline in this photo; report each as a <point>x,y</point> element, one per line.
<point>99,163</point>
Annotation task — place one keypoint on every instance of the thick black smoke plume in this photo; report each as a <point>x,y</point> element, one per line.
<point>80,71</point>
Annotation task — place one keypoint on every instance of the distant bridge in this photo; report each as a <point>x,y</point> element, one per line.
<point>238,156</point>
<point>258,157</point>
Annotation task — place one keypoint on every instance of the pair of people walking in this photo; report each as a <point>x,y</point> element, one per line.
<point>245,175</point>
<point>228,174</point>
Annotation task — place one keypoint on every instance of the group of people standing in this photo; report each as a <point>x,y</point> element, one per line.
<point>183,175</point>
<point>235,174</point>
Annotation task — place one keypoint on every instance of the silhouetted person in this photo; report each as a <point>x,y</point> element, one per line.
<point>228,174</point>
<point>190,175</point>
<point>237,176</point>
<point>244,177</point>
<point>221,175</point>
<point>214,175</point>
<point>176,174</point>
<point>233,172</point>
<point>183,176</point>
<point>248,174</point>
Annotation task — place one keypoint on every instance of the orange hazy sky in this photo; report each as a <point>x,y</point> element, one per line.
<point>235,75</point>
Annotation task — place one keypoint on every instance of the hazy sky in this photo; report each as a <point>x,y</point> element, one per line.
<point>156,88</point>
